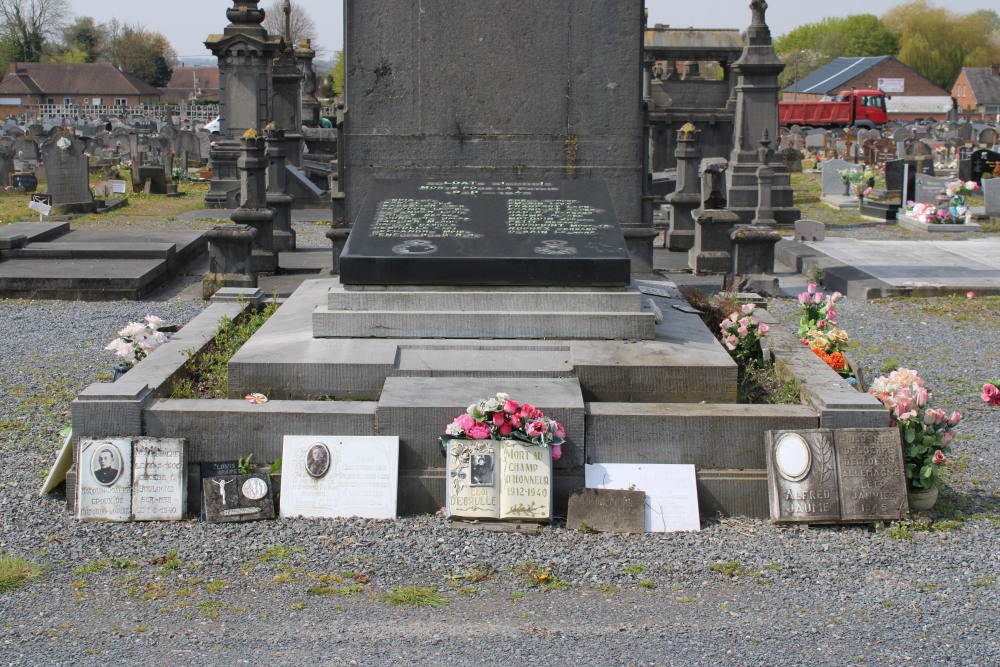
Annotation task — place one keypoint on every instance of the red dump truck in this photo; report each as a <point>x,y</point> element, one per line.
<point>850,108</point>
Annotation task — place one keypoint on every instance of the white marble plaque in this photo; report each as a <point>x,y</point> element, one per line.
<point>339,476</point>
<point>525,481</point>
<point>104,480</point>
<point>671,492</point>
<point>159,479</point>
<point>472,480</point>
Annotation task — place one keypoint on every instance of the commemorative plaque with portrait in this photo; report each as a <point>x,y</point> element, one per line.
<point>500,479</point>
<point>104,480</point>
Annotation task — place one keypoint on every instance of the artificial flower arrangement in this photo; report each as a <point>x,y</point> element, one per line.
<point>817,329</point>
<point>929,214</point>
<point>991,392</point>
<point>926,432</point>
<point>741,334</point>
<point>860,181</point>
<point>137,340</point>
<point>503,418</point>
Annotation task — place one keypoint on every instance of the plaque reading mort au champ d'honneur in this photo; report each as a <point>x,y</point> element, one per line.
<point>469,232</point>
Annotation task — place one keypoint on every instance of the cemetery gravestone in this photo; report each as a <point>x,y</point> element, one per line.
<point>835,476</point>
<point>984,162</point>
<point>159,480</point>
<point>671,492</point>
<point>558,233</point>
<point>339,476</point>
<point>237,498</point>
<point>833,182</point>
<point>67,174</point>
<point>104,480</point>
<point>991,196</point>
<point>927,188</point>
<point>6,166</point>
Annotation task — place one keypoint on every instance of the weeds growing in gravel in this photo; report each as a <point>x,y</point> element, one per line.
<point>14,572</point>
<point>540,576</point>
<point>415,596</point>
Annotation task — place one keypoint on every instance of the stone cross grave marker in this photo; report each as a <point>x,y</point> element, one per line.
<point>339,476</point>
<point>835,476</point>
<point>104,480</point>
<point>671,492</point>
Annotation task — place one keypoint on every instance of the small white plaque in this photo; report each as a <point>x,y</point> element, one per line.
<point>117,187</point>
<point>671,492</point>
<point>42,208</point>
<point>159,479</point>
<point>104,480</point>
<point>339,476</point>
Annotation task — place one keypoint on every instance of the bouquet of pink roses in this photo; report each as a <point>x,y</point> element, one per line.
<point>991,392</point>
<point>501,417</point>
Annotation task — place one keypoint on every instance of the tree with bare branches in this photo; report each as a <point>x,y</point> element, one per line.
<point>26,24</point>
<point>301,24</point>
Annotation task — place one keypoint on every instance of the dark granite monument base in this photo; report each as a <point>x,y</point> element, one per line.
<point>879,209</point>
<point>459,233</point>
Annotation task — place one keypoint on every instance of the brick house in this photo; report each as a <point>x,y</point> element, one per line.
<point>192,83</point>
<point>80,88</point>
<point>977,90</point>
<point>909,94</point>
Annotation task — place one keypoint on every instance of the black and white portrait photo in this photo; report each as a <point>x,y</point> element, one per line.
<point>107,464</point>
<point>481,470</point>
<point>317,460</point>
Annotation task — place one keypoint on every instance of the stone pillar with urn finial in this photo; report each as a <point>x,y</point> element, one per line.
<point>753,245</point>
<point>253,210</point>
<point>687,195</point>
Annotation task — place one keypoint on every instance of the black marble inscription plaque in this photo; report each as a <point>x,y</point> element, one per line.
<point>984,162</point>
<point>870,468</point>
<point>468,232</point>
<point>237,498</point>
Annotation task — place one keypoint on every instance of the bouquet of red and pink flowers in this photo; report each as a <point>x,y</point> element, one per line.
<point>503,418</point>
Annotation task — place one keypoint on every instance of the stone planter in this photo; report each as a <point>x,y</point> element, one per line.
<point>922,500</point>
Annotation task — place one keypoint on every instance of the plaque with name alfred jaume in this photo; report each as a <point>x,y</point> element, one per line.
<point>484,232</point>
<point>836,476</point>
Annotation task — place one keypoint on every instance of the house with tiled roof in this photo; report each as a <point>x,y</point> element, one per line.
<point>78,87</point>
<point>192,84</point>
<point>909,94</point>
<point>977,90</point>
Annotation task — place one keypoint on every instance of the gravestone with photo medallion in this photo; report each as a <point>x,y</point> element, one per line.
<point>836,475</point>
<point>339,476</point>
<point>104,480</point>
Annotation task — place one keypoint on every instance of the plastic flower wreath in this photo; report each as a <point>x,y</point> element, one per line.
<point>138,339</point>
<point>501,418</point>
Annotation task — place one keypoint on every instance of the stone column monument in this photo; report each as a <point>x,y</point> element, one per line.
<point>757,73</point>
<point>245,52</point>
<point>278,198</point>
<point>286,95</point>
<point>687,196</point>
<point>305,55</point>
<point>253,211</point>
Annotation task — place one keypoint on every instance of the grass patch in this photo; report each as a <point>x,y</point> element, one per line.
<point>473,575</point>
<point>540,576</point>
<point>415,596</point>
<point>635,570</point>
<point>15,572</point>
<point>96,567</point>
<point>206,373</point>
<point>275,553</point>
<point>735,570</point>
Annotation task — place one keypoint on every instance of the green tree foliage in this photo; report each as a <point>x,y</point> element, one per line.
<point>809,47</point>
<point>938,43</point>
<point>26,24</point>
<point>82,41</point>
<point>147,55</point>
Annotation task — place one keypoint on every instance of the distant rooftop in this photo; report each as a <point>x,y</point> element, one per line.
<point>832,76</point>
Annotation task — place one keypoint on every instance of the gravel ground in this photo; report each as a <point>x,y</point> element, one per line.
<point>294,591</point>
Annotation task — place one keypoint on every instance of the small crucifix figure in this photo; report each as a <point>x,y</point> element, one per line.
<point>221,483</point>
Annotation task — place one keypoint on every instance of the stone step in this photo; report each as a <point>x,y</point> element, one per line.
<point>482,324</point>
<point>71,250</point>
<point>474,301</point>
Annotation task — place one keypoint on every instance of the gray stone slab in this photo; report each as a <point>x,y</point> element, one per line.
<point>840,202</point>
<point>561,301</point>
<point>810,230</point>
<point>35,231</point>
<point>708,436</point>
<point>159,479</point>
<point>991,197</point>
<point>77,250</point>
<point>238,498</point>
<point>928,188</point>
<point>104,481</point>
<point>607,511</point>
<point>906,222</point>
<point>833,182</point>
<point>485,324</point>
<point>418,409</point>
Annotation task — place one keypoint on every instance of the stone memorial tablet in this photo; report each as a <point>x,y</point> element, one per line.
<point>671,492</point>
<point>525,480</point>
<point>607,511</point>
<point>339,476</point>
<point>984,162</point>
<point>67,174</point>
<point>991,197</point>
<point>871,474</point>
<point>929,187</point>
<point>229,498</point>
<point>802,476</point>
<point>104,480</point>
<point>159,479</point>
<point>833,180</point>
<point>444,232</point>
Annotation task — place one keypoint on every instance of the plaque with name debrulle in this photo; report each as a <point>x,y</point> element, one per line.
<point>484,232</point>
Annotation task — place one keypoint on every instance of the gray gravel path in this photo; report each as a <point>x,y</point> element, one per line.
<point>305,591</point>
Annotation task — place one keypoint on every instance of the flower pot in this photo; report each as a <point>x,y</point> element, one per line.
<point>922,500</point>
<point>120,370</point>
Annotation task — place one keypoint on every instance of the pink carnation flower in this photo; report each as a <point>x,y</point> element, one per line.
<point>536,428</point>
<point>479,431</point>
<point>991,394</point>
